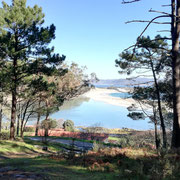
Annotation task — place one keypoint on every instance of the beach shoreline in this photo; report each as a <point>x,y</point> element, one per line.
<point>103,95</point>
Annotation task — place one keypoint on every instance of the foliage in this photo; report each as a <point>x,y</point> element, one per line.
<point>4,135</point>
<point>68,125</point>
<point>136,115</point>
<point>97,146</point>
<point>150,56</point>
<point>49,124</point>
<point>29,129</point>
<point>25,50</point>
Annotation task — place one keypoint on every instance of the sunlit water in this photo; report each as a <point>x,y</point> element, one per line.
<point>87,112</point>
<point>121,95</point>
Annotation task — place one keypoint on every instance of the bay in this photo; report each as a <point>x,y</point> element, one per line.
<point>87,112</point>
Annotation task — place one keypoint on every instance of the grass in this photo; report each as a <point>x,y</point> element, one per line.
<point>109,163</point>
<point>136,160</point>
<point>53,169</point>
<point>113,138</point>
<point>15,147</point>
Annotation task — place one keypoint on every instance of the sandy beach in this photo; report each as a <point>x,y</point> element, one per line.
<point>103,95</point>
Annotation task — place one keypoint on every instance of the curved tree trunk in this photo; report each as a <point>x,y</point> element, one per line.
<point>159,107</point>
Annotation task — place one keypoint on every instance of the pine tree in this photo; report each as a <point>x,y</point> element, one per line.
<point>24,47</point>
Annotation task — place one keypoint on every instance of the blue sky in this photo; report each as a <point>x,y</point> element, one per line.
<point>93,32</point>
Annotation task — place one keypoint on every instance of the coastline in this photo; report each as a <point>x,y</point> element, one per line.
<point>103,95</point>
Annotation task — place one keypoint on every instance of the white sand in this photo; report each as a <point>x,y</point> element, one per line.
<point>103,95</point>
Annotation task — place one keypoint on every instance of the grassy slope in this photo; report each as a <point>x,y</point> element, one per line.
<point>16,147</point>
<point>111,163</point>
<point>52,169</point>
<point>47,168</point>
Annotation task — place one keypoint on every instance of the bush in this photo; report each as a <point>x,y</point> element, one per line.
<point>68,125</point>
<point>48,124</point>
<point>97,146</point>
<point>4,136</point>
<point>29,129</point>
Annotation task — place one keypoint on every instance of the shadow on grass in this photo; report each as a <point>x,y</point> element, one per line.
<point>106,164</point>
<point>53,169</point>
<point>3,157</point>
<point>14,147</point>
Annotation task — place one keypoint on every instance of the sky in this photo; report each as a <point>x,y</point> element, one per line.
<point>93,33</point>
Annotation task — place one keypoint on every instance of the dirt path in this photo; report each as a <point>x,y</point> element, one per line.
<point>77,144</point>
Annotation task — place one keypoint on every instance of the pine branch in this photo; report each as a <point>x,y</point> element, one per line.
<point>165,38</point>
<point>150,22</point>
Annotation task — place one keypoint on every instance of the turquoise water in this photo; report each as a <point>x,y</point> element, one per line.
<point>87,112</point>
<point>121,95</point>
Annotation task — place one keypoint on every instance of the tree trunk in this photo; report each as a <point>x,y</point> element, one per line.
<point>0,119</point>
<point>157,141</point>
<point>21,130</point>
<point>159,107</point>
<point>14,92</point>
<point>13,115</point>
<point>175,30</point>
<point>38,119</point>
<point>17,129</point>
<point>46,130</point>
<point>23,118</point>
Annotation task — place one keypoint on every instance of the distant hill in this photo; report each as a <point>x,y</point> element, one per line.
<point>122,82</point>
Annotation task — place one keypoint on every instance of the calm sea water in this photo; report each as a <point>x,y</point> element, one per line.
<point>121,95</point>
<point>87,112</point>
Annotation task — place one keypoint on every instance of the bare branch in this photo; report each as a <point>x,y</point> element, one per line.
<point>166,5</point>
<point>135,77</point>
<point>143,83</point>
<point>161,12</point>
<point>150,24</point>
<point>164,31</point>
<point>144,21</point>
<point>143,109</point>
<point>126,2</point>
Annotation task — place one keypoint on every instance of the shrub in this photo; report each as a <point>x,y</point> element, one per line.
<point>29,129</point>
<point>4,136</point>
<point>97,146</point>
<point>48,124</point>
<point>68,125</point>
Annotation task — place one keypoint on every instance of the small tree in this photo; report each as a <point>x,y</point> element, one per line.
<point>68,125</point>
<point>48,124</point>
<point>150,56</point>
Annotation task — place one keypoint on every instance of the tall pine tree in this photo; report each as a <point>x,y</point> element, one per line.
<point>24,47</point>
